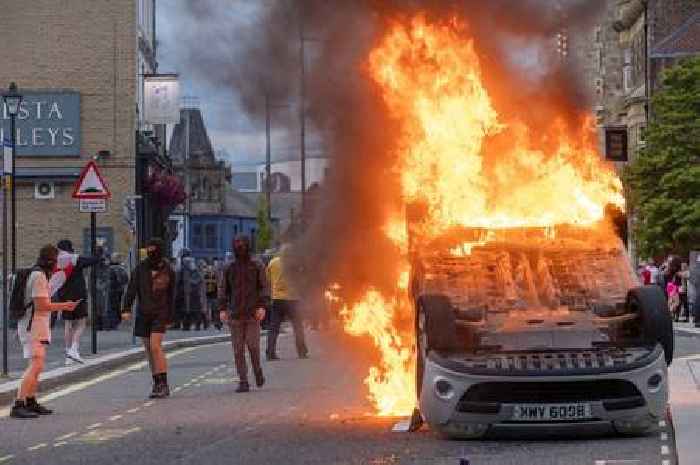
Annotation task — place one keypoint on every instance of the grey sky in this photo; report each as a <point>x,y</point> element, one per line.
<point>228,126</point>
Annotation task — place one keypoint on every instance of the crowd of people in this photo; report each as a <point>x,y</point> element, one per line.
<point>159,294</point>
<point>680,281</point>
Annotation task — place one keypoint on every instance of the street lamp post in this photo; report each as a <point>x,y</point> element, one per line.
<point>12,100</point>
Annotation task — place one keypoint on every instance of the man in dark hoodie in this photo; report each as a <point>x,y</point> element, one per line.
<point>153,282</point>
<point>243,302</point>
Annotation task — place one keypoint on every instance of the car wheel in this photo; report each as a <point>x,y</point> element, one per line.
<point>440,326</point>
<point>649,302</point>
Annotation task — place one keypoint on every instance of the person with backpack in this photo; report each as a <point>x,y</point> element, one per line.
<point>153,282</point>
<point>71,282</point>
<point>31,307</point>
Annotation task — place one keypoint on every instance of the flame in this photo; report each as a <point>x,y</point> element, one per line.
<point>431,79</point>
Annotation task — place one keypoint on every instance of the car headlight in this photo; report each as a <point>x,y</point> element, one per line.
<point>444,389</point>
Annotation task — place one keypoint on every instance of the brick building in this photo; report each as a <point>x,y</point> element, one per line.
<point>79,66</point>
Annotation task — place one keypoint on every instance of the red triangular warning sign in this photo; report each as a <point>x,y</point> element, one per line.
<point>90,184</point>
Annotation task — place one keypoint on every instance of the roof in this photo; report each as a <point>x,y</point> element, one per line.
<point>238,204</point>
<point>684,41</point>
<point>200,144</point>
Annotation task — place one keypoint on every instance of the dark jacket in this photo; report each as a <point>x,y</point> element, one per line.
<point>75,288</point>
<point>244,289</point>
<point>141,286</point>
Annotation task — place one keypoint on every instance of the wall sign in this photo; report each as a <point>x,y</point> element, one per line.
<point>48,124</point>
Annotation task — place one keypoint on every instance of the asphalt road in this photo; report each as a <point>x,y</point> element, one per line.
<point>310,412</point>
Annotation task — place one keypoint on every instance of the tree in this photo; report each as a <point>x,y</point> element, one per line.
<point>664,180</point>
<point>264,231</point>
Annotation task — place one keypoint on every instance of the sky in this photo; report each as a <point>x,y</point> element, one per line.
<point>228,126</point>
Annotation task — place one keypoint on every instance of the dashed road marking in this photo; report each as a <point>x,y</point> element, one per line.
<point>665,450</point>
<point>177,389</point>
<point>37,447</point>
<point>60,444</point>
<point>94,425</point>
<point>148,404</point>
<point>662,423</point>
<point>116,417</point>
<point>664,437</point>
<point>67,436</point>
<point>133,410</point>
<point>666,462</point>
<point>6,458</point>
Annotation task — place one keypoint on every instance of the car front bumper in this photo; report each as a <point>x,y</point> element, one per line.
<point>439,405</point>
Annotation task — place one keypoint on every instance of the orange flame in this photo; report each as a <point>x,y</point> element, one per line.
<point>431,79</point>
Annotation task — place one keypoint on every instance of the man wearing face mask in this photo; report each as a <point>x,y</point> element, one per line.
<point>243,302</point>
<point>153,282</point>
<point>34,330</point>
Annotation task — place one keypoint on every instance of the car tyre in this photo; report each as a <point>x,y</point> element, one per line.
<point>657,324</point>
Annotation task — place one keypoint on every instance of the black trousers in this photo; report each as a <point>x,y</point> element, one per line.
<point>282,309</point>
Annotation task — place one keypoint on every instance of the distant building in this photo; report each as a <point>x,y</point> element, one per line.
<point>217,212</point>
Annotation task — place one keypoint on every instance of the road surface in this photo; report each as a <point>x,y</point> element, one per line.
<point>310,412</point>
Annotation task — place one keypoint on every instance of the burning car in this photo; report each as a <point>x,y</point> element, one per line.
<point>537,327</point>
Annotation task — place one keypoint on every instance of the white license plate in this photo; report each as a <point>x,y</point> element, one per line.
<point>552,412</point>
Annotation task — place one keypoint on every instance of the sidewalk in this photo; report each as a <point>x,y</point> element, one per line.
<point>684,377</point>
<point>107,342</point>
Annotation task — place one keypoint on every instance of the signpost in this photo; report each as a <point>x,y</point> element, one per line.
<point>92,192</point>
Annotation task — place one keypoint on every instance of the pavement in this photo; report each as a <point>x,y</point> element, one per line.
<point>685,393</point>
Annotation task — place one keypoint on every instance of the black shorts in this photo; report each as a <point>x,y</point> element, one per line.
<point>144,325</point>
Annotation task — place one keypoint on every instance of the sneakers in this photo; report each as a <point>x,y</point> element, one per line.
<point>160,391</point>
<point>21,411</point>
<point>72,354</point>
<point>36,407</point>
<point>243,387</point>
<point>259,379</point>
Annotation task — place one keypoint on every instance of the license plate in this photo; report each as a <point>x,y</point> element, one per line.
<point>552,412</point>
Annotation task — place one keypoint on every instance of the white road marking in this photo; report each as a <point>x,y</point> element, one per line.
<point>60,444</point>
<point>665,462</point>
<point>177,389</point>
<point>133,410</point>
<point>116,417</point>
<point>37,447</point>
<point>664,437</point>
<point>148,404</point>
<point>665,450</point>
<point>6,458</point>
<point>94,425</point>
<point>662,423</point>
<point>67,436</point>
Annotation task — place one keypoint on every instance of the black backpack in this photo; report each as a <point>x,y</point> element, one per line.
<point>18,309</point>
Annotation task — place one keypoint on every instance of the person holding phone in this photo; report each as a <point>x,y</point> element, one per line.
<point>243,301</point>
<point>34,331</point>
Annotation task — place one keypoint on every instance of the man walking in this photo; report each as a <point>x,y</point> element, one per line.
<point>153,282</point>
<point>34,331</point>
<point>285,304</point>
<point>118,279</point>
<point>243,300</point>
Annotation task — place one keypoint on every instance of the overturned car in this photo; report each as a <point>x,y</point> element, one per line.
<point>539,328</point>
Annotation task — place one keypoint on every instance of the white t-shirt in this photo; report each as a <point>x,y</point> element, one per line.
<point>37,286</point>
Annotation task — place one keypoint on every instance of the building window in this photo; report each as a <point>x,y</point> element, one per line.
<point>642,134</point>
<point>211,237</point>
<point>197,239</point>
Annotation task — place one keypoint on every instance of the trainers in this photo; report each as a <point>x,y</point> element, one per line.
<point>75,356</point>
<point>20,410</point>
<point>259,379</point>
<point>243,387</point>
<point>69,361</point>
<point>36,407</point>
<point>160,392</point>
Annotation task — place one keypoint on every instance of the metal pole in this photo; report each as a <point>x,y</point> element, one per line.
<point>268,159</point>
<point>13,195</point>
<point>188,190</point>
<point>5,319</point>
<point>93,280</point>
<point>302,116</point>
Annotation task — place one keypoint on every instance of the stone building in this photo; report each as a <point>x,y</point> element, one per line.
<point>217,212</point>
<point>79,67</point>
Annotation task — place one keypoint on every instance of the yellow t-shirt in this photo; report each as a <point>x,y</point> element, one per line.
<point>281,288</point>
